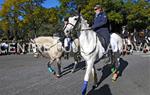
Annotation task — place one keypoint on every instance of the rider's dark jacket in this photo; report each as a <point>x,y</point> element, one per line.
<point>100,26</point>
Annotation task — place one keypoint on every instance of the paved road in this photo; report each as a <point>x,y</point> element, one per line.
<point>25,75</point>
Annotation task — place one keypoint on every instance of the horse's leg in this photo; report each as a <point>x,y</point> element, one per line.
<point>59,67</point>
<point>114,56</point>
<point>76,62</point>
<point>66,55</point>
<point>50,69</point>
<point>116,65</point>
<point>109,56</point>
<point>113,61</point>
<point>87,75</point>
<point>124,47</point>
<point>74,67</point>
<point>95,77</point>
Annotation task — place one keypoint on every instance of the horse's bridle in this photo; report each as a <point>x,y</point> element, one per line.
<point>79,29</point>
<point>74,26</point>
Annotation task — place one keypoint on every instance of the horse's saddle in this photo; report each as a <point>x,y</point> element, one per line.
<point>103,41</point>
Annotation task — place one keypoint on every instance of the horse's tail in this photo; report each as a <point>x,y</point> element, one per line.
<point>120,44</point>
<point>119,41</point>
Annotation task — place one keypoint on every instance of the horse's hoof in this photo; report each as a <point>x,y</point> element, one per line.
<point>94,86</point>
<point>83,68</point>
<point>57,76</point>
<point>72,71</point>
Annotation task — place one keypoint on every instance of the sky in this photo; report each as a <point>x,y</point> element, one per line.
<point>1,2</point>
<point>46,4</point>
<point>51,3</point>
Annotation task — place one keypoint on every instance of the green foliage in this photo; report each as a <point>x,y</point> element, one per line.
<point>129,13</point>
<point>20,15</point>
<point>115,17</point>
<point>27,18</point>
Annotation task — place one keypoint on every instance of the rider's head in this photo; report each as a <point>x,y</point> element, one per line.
<point>98,8</point>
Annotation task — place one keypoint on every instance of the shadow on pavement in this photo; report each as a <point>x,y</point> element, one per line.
<point>123,65</point>
<point>104,90</point>
<point>67,69</point>
<point>106,70</point>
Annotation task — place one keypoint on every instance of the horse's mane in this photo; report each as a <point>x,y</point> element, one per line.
<point>86,25</point>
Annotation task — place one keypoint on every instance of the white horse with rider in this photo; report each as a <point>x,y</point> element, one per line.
<point>90,46</point>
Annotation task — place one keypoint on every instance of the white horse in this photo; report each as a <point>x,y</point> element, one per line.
<point>52,49</point>
<point>90,47</point>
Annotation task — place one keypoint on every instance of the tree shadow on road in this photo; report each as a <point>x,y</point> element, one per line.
<point>104,90</point>
<point>67,69</point>
<point>123,65</point>
<point>106,71</point>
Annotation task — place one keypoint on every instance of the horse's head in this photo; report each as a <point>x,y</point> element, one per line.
<point>71,24</point>
<point>75,23</point>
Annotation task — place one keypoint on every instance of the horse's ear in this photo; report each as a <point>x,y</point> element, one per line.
<point>79,9</point>
<point>32,41</point>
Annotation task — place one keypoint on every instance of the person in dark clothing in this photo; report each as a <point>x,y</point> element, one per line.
<point>100,26</point>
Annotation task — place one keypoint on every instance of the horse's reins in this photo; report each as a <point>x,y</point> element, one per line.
<point>67,24</point>
<point>74,26</point>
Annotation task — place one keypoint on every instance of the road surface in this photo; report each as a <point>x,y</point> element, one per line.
<point>26,75</point>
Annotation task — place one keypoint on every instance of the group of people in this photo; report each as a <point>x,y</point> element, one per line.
<point>100,25</point>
